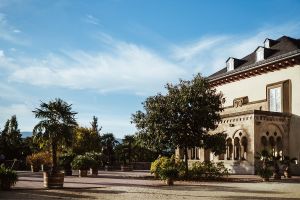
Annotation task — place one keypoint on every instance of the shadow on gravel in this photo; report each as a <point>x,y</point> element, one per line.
<point>66,193</point>
<point>216,189</point>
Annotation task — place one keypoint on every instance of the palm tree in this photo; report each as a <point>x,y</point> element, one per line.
<point>56,125</point>
<point>108,146</point>
<point>128,143</point>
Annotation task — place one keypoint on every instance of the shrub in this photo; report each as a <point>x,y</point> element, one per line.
<point>265,173</point>
<point>97,157</point>
<point>157,164</point>
<point>65,160</point>
<point>40,158</point>
<point>208,170</point>
<point>82,162</point>
<point>163,165</point>
<point>168,173</point>
<point>8,178</point>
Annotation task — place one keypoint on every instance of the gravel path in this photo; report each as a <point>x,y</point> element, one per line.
<point>131,186</point>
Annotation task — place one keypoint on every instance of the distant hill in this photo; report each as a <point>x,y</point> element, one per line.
<point>26,134</point>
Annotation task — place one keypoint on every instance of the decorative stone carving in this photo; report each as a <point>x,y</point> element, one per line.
<point>239,102</point>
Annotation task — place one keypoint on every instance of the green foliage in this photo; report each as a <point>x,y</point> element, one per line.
<point>182,117</point>
<point>40,158</point>
<point>82,162</point>
<point>108,143</point>
<point>267,162</point>
<point>168,173</point>
<point>265,173</point>
<point>86,140</point>
<point>97,157</point>
<point>94,125</point>
<point>8,177</point>
<point>163,163</point>
<point>10,139</point>
<point>66,159</point>
<point>208,170</point>
<point>56,126</point>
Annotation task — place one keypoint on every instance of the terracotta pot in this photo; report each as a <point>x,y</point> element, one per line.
<point>53,180</point>
<point>82,173</point>
<point>126,168</point>
<point>170,181</point>
<point>5,185</point>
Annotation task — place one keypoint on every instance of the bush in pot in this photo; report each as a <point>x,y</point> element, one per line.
<point>169,174</point>
<point>65,161</point>
<point>34,161</point>
<point>97,158</point>
<point>265,170</point>
<point>82,163</point>
<point>8,178</point>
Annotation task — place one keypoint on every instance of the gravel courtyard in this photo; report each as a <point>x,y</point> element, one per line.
<point>138,185</point>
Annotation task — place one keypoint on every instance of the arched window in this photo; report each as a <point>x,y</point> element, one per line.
<point>244,142</point>
<point>272,144</point>
<point>237,149</point>
<point>229,149</point>
<point>279,146</point>
<point>264,142</point>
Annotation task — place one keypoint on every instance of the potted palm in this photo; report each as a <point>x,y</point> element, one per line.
<point>8,178</point>
<point>65,161</point>
<point>55,129</point>
<point>82,163</point>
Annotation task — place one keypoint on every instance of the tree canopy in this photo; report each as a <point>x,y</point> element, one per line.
<point>182,117</point>
<point>56,126</point>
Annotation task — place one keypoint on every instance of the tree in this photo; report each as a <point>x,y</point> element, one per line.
<point>11,139</point>
<point>108,143</point>
<point>86,140</point>
<point>128,145</point>
<point>94,125</point>
<point>183,117</point>
<point>56,126</point>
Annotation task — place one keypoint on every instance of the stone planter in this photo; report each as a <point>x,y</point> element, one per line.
<point>287,174</point>
<point>266,179</point>
<point>94,171</point>
<point>126,168</point>
<point>53,180</point>
<point>170,182</point>
<point>108,168</point>
<point>82,173</point>
<point>35,168</point>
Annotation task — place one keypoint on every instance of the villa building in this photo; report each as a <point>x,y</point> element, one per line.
<point>261,106</point>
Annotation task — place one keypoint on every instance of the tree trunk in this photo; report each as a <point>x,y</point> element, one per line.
<point>186,162</point>
<point>54,158</point>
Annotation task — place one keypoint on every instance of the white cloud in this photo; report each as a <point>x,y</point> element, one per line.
<point>126,66</point>
<point>90,19</point>
<point>209,54</point>
<point>23,112</point>
<point>9,33</point>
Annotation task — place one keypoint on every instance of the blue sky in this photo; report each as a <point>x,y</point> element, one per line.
<point>105,57</point>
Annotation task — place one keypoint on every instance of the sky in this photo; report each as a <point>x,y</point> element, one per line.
<point>105,57</point>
